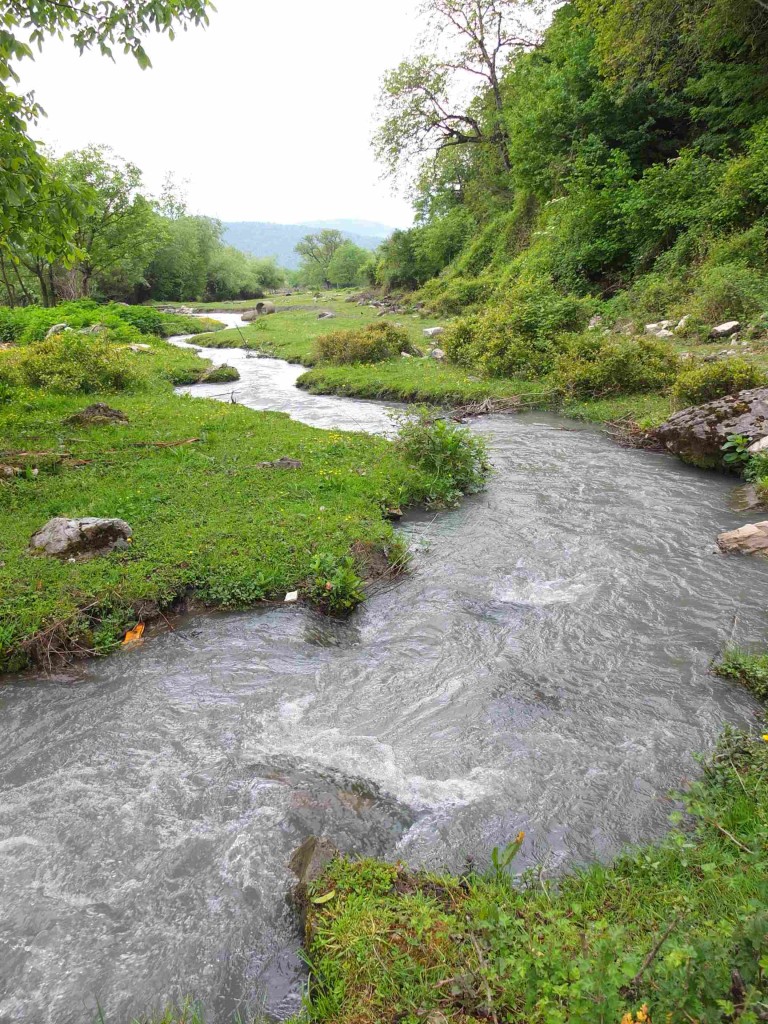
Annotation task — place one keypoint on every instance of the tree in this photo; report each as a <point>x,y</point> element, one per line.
<point>423,101</point>
<point>119,230</point>
<point>25,25</point>
<point>346,264</point>
<point>317,251</point>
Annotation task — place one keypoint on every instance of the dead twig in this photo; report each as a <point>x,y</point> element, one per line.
<point>630,988</point>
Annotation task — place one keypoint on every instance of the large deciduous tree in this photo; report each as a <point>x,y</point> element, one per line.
<point>423,102</point>
<point>316,251</point>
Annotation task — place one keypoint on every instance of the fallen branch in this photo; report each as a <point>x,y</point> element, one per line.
<point>630,988</point>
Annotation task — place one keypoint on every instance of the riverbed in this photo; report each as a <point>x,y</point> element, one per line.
<point>545,668</point>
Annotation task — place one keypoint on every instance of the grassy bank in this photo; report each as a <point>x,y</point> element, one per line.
<point>291,334</point>
<point>193,478</point>
<point>185,474</point>
<point>676,932</point>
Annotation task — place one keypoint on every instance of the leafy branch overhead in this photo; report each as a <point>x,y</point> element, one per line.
<point>26,186</point>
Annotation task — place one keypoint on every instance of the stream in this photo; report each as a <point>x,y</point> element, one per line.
<point>544,668</point>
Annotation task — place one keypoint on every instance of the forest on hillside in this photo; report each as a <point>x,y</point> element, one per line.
<point>615,163</point>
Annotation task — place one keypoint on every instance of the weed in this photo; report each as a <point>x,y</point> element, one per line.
<point>452,460</point>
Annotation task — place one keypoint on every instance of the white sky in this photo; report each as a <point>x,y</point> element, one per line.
<point>267,113</point>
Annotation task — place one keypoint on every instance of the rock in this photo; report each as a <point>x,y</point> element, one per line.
<point>313,856</point>
<point>664,333</point>
<point>264,308</point>
<point>433,332</point>
<point>282,463</point>
<point>698,434</point>
<point>662,325</point>
<point>10,470</point>
<point>724,330</point>
<point>746,498</point>
<point>94,329</point>
<point>140,348</point>
<point>595,322</point>
<point>749,540</point>
<point>758,446</point>
<point>406,355</point>
<point>97,414</point>
<point>682,322</point>
<point>326,315</point>
<point>86,537</point>
<point>57,329</point>
<point>437,353</point>
<point>291,597</point>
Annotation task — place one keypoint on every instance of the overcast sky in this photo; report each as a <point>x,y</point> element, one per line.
<point>267,113</point>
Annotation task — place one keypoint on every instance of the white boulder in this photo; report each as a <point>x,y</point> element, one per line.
<point>724,330</point>
<point>86,537</point>
<point>433,332</point>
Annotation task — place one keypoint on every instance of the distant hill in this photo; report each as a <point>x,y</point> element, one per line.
<point>261,238</point>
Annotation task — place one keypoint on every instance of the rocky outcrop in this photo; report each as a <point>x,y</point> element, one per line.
<point>57,329</point>
<point>749,540</point>
<point>698,434</point>
<point>81,538</point>
<point>433,332</point>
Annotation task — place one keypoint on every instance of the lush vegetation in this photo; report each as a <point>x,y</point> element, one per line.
<point>252,533</point>
<point>121,243</point>
<point>591,174</point>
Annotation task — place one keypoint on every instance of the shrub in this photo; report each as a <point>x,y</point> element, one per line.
<point>598,366</point>
<point>518,337</point>
<point>715,380</point>
<point>454,461</point>
<point>334,583</point>
<point>370,344</point>
<point>11,323</point>
<point>731,290</point>
<point>447,297</point>
<point>78,364</point>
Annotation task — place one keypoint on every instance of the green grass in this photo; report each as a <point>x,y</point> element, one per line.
<point>751,670</point>
<point>676,932</point>
<point>415,380</point>
<point>205,516</point>
<point>291,334</point>
<point>647,410</point>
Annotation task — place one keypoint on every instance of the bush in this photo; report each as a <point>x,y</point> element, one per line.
<point>370,344</point>
<point>596,367</point>
<point>454,461</point>
<point>715,380</point>
<point>447,297</point>
<point>78,364</point>
<point>518,337</point>
<point>731,291</point>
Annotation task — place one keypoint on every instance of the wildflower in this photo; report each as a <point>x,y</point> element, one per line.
<point>329,585</point>
<point>765,736</point>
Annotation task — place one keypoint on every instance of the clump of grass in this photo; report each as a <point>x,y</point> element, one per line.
<point>334,583</point>
<point>373,343</point>
<point>749,669</point>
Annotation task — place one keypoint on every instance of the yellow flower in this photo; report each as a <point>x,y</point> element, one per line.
<point>765,736</point>
<point>627,1019</point>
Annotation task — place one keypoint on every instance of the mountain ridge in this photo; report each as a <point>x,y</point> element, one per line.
<point>268,238</point>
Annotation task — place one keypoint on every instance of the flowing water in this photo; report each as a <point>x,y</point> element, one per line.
<point>545,668</point>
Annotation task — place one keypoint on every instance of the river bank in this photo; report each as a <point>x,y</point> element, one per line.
<point>254,532</point>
